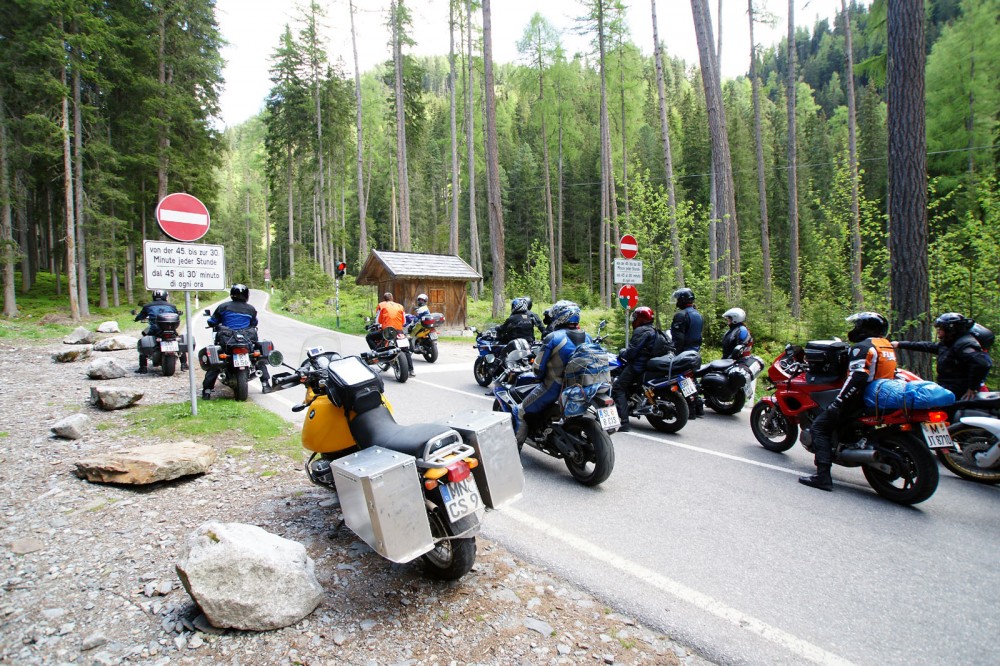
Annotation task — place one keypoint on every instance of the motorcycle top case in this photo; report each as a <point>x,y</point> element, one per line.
<point>383,502</point>
<point>432,319</point>
<point>826,359</point>
<point>168,321</point>
<point>499,475</point>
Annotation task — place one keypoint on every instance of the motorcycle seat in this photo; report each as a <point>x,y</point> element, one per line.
<point>720,365</point>
<point>377,427</point>
<point>673,365</point>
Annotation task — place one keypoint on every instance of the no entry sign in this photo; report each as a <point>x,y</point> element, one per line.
<point>183,217</point>
<point>628,246</point>
<point>628,296</point>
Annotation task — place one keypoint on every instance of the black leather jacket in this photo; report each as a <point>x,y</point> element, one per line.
<point>517,326</point>
<point>961,366</point>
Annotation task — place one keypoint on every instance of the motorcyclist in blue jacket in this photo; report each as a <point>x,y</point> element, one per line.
<point>235,314</point>
<point>149,312</point>
<point>550,363</point>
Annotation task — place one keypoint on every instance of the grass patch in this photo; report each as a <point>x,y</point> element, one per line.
<point>219,420</point>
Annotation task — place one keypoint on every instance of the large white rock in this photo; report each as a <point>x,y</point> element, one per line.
<point>105,368</point>
<point>114,397</point>
<point>71,355</point>
<point>148,464</point>
<point>109,327</point>
<point>243,577</point>
<point>70,427</point>
<point>80,336</point>
<point>117,343</point>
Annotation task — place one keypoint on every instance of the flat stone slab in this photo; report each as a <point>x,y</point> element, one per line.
<point>110,398</point>
<point>142,465</point>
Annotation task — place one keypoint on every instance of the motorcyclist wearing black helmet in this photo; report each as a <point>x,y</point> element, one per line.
<point>519,324</point>
<point>535,319</point>
<point>871,357</point>
<point>149,312</point>
<point>687,325</point>
<point>235,314</point>
<point>962,364</point>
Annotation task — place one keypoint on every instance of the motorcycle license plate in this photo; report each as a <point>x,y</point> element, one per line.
<point>936,435</point>
<point>432,335</point>
<point>608,416</point>
<point>687,387</point>
<point>402,343</point>
<point>168,346</point>
<point>241,360</point>
<point>461,498</point>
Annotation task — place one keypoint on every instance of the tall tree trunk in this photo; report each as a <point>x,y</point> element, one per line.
<point>453,234</point>
<point>81,217</point>
<point>765,232</point>
<point>908,174</point>
<point>607,171</point>
<point>475,251</point>
<point>163,137</point>
<point>621,91</point>
<point>559,246</point>
<point>550,224</point>
<point>291,214</point>
<point>320,172</point>
<point>404,183</point>
<point>362,207</point>
<point>74,296</point>
<point>668,160</point>
<point>6,220</point>
<point>852,142</point>
<point>793,188</point>
<point>494,204</point>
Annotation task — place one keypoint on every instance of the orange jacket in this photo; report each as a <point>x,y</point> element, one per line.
<point>390,313</point>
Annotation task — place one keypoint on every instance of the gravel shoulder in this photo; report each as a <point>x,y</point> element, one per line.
<point>88,569</point>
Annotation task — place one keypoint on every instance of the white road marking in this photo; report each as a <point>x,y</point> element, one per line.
<point>702,601</point>
<point>719,454</point>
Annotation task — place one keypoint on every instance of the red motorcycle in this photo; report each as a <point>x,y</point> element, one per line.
<point>892,446</point>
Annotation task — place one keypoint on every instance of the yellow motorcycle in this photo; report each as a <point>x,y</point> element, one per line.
<point>416,491</point>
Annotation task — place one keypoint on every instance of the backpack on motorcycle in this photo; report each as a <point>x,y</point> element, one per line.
<point>661,344</point>
<point>900,394</point>
<point>587,365</point>
<point>229,337</point>
<point>353,385</point>
<point>826,360</point>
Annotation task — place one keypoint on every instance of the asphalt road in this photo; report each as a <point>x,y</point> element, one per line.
<point>708,537</point>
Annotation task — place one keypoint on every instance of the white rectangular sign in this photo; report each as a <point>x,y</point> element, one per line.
<point>184,266</point>
<point>628,271</point>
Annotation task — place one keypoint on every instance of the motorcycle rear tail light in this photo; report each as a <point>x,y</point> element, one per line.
<point>458,471</point>
<point>239,350</point>
<point>937,417</point>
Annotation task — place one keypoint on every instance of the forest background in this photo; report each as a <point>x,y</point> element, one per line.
<point>529,171</point>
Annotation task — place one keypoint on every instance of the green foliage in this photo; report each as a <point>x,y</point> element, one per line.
<point>534,281</point>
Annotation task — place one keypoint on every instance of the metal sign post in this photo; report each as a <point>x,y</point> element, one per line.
<point>191,357</point>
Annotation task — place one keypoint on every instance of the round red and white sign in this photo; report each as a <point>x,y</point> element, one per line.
<point>628,246</point>
<point>628,296</point>
<point>183,217</point>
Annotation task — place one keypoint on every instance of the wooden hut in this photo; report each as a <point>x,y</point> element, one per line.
<point>443,277</point>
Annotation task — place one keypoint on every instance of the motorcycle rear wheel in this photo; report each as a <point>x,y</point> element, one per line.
<point>400,368</point>
<point>970,440</point>
<point>773,431</point>
<point>430,351</point>
<point>681,414</point>
<point>480,372</point>
<point>599,460</point>
<point>451,558</point>
<point>169,365</point>
<point>242,389</point>
<point>914,473</point>
<point>727,407</point>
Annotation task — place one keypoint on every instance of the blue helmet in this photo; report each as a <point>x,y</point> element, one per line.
<point>565,313</point>
<point>518,306</point>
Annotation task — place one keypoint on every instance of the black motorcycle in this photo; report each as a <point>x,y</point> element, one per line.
<point>666,386</point>
<point>238,355</point>
<point>391,339</point>
<point>162,349</point>
<point>727,384</point>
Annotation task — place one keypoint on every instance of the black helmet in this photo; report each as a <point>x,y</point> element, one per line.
<point>528,302</point>
<point>867,325</point>
<point>683,296</point>
<point>953,324</point>
<point>518,306</point>
<point>160,295</point>
<point>984,335</point>
<point>239,292</point>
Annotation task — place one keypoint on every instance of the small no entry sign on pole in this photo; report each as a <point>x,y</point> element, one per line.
<point>183,217</point>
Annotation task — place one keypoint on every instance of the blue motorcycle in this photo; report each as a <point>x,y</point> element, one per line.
<point>492,353</point>
<point>666,386</point>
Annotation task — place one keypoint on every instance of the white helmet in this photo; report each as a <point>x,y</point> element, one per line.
<point>735,315</point>
<point>421,299</point>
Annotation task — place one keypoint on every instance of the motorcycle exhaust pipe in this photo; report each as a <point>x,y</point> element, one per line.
<point>857,456</point>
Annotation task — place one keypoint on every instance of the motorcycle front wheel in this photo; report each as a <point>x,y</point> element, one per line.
<point>481,372</point>
<point>905,472</point>
<point>169,365</point>
<point>597,458</point>
<point>773,431</point>
<point>726,407</point>
<point>400,368</point>
<point>671,402</point>
<point>242,389</point>
<point>970,440</point>
<point>430,351</point>
<point>451,558</point>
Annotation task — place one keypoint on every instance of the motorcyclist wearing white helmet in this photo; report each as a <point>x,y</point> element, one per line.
<point>738,334</point>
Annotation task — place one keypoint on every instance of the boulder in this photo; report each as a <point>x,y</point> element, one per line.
<point>71,355</point>
<point>147,464</point>
<point>105,368</point>
<point>70,427</point>
<point>80,336</point>
<point>243,577</point>
<point>109,327</point>
<point>113,397</point>
<point>117,343</point>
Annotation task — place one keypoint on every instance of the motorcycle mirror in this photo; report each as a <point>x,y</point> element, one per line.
<point>604,322</point>
<point>275,358</point>
<point>389,333</point>
<point>133,311</point>
<point>208,313</point>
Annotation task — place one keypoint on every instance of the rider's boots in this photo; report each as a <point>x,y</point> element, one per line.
<point>821,479</point>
